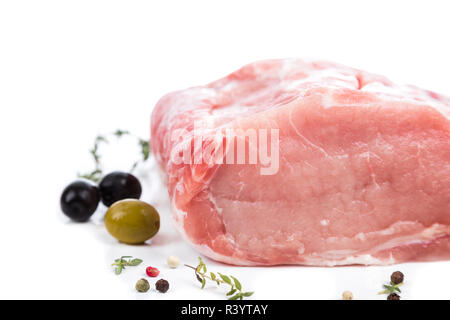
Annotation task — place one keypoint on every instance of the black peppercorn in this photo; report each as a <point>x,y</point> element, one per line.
<point>397,277</point>
<point>162,285</point>
<point>393,296</point>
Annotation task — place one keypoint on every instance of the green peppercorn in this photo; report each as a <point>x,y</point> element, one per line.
<point>142,286</point>
<point>162,285</point>
<point>397,277</point>
<point>393,296</point>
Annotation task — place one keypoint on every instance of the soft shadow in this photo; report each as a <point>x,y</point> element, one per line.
<point>162,239</point>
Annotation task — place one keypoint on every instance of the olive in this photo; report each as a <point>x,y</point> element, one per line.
<point>117,186</point>
<point>132,221</point>
<point>79,200</point>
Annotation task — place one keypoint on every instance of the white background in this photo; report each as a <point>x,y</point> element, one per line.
<point>72,69</point>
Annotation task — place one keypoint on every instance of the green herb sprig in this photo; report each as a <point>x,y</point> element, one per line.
<point>391,288</point>
<point>121,263</point>
<point>97,173</point>
<point>202,275</point>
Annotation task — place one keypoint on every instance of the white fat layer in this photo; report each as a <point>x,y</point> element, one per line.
<point>364,259</point>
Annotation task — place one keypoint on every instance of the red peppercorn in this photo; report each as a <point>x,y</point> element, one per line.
<point>152,272</point>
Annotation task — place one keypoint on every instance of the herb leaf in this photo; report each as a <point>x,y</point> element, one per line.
<point>145,149</point>
<point>225,278</point>
<point>391,288</point>
<point>118,133</point>
<point>97,173</point>
<point>202,276</point>
<point>237,283</point>
<point>121,263</point>
<point>231,292</point>
<point>118,270</point>
<point>135,262</point>
<point>203,283</point>
<point>236,297</point>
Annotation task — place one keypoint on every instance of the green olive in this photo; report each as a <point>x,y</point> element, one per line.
<point>132,221</point>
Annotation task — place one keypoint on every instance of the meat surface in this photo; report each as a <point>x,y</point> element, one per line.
<point>358,173</point>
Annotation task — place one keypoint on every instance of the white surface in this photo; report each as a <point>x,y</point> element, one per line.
<point>72,69</point>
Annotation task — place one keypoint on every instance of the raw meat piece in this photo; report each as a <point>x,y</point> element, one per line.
<point>364,167</point>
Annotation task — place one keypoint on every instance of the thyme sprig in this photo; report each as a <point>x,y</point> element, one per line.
<point>202,275</point>
<point>97,173</point>
<point>121,263</point>
<point>391,288</point>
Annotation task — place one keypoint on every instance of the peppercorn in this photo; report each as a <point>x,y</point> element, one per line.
<point>347,295</point>
<point>142,285</point>
<point>152,272</point>
<point>397,277</point>
<point>393,296</point>
<point>173,262</point>
<point>162,285</point>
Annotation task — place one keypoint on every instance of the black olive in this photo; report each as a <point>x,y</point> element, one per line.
<point>118,186</point>
<point>79,200</point>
